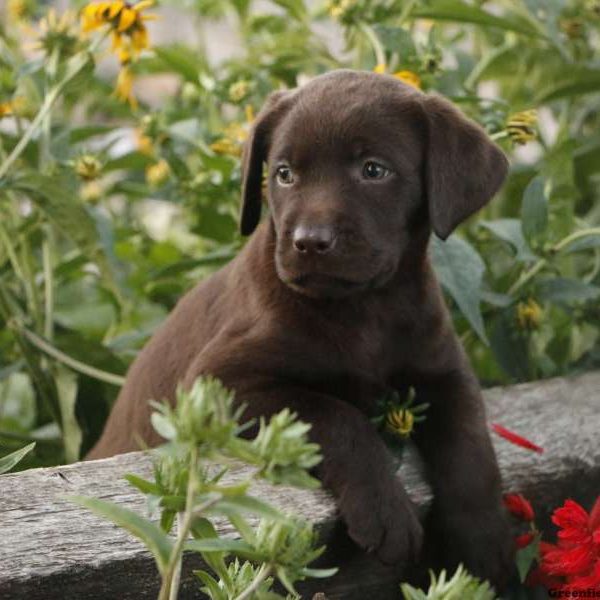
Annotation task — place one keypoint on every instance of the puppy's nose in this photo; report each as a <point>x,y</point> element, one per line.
<point>317,239</point>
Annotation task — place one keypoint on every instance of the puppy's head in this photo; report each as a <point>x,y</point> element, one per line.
<point>356,164</point>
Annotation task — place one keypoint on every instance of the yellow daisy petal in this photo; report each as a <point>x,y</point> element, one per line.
<point>143,5</point>
<point>126,20</point>
<point>115,9</point>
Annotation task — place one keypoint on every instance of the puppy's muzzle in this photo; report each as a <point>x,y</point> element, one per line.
<point>313,239</point>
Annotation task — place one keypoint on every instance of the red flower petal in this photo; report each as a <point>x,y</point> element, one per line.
<point>595,515</point>
<point>515,438</point>
<point>522,541</point>
<point>519,506</point>
<point>571,516</point>
<point>589,581</point>
<point>566,562</point>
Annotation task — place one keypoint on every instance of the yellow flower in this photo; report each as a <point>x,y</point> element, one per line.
<point>121,17</point>
<point>6,109</point>
<point>249,113</point>
<point>88,167</point>
<point>91,192</point>
<point>338,9</point>
<point>409,78</point>
<point>231,143</point>
<point>400,421</point>
<point>158,173</point>
<point>521,126</point>
<point>529,314</point>
<point>380,68</point>
<point>239,90</point>
<point>144,143</point>
<point>128,32</point>
<point>20,10</point>
<point>58,33</point>
<point>573,28</point>
<point>124,87</point>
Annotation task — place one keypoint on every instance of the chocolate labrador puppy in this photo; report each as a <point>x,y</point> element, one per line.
<point>333,301</point>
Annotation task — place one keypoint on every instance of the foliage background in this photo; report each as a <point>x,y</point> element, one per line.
<point>114,209</point>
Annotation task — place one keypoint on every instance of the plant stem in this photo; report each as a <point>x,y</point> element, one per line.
<point>48,285</point>
<point>51,97</point>
<point>50,350</point>
<point>171,576</point>
<point>32,129</point>
<point>375,43</point>
<point>262,574</point>
<point>540,264</point>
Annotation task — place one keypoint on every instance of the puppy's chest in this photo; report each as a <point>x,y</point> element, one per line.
<point>358,364</point>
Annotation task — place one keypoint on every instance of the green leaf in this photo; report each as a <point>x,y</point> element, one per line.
<point>66,387</point>
<point>582,243</point>
<point>574,82</point>
<point>11,460</point>
<point>238,547</point>
<point>163,426</point>
<point>534,211</point>
<point>526,556</point>
<point>181,59</point>
<point>460,12</point>
<point>511,231</point>
<point>460,270</point>
<point>56,198</point>
<point>150,534</point>
<point>146,487</point>
<point>509,345</point>
<point>248,504</point>
<point>562,290</point>
<point>319,573</point>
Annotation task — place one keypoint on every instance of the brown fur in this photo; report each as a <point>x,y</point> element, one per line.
<point>326,333</point>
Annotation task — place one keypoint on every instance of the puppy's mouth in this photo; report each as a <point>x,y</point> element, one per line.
<point>320,285</point>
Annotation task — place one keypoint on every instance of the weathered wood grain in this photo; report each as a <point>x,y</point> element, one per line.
<point>52,549</point>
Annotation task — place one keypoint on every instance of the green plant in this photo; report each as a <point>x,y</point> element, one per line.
<point>461,586</point>
<point>14,458</point>
<point>190,486</point>
<point>86,274</point>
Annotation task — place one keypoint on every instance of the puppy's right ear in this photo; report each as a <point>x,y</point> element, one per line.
<point>254,155</point>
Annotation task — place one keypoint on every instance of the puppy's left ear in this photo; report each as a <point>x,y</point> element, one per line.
<point>254,155</point>
<point>464,168</point>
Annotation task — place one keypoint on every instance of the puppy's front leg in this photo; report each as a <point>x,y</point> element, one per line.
<point>467,522</point>
<point>356,467</point>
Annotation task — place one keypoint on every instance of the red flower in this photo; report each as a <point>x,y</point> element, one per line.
<point>576,555</point>
<point>519,506</point>
<point>515,438</point>
<point>522,541</point>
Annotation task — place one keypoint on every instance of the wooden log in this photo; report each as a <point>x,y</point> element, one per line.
<point>52,549</point>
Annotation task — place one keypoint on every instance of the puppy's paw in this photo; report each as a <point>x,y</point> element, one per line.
<point>384,523</point>
<point>480,540</point>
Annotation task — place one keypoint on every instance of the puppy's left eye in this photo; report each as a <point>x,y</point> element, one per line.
<point>374,170</point>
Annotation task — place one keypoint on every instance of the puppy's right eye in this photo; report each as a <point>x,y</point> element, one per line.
<point>284,175</point>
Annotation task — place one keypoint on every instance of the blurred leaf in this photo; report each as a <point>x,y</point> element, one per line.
<point>566,291</point>
<point>238,547</point>
<point>150,534</point>
<point>510,345</point>
<point>575,82</point>
<point>534,212</point>
<point>66,385</point>
<point>56,198</point>
<point>248,504</point>
<point>526,557</point>
<point>460,270</point>
<point>11,460</point>
<point>460,12</point>
<point>510,230</point>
